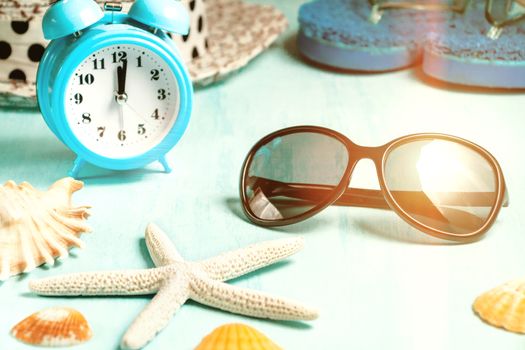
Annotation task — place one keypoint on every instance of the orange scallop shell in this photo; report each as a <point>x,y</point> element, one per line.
<point>503,306</point>
<point>236,336</point>
<point>53,327</point>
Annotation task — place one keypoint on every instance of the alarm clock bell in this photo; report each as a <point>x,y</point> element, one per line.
<point>66,17</point>
<point>168,15</point>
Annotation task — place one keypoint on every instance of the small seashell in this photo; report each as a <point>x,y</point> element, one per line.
<point>503,306</point>
<point>53,327</point>
<point>236,336</point>
<point>37,227</point>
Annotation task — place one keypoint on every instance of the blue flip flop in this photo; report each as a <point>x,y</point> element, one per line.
<point>340,34</point>
<point>471,51</point>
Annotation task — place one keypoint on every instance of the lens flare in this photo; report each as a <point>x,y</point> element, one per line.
<point>442,184</point>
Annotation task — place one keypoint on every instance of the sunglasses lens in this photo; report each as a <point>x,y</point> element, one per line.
<point>291,174</point>
<point>442,184</point>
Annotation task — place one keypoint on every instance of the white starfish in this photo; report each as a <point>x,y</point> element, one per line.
<point>174,281</point>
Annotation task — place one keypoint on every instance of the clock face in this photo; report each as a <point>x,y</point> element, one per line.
<point>122,101</point>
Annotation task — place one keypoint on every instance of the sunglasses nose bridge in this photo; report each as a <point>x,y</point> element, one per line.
<point>363,152</point>
<point>358,153</point>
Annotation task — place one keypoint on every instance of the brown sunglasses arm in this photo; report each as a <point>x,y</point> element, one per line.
<point>359,197</point>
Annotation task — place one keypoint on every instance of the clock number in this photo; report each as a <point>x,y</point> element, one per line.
<point>88,79</point>
<point>122,135</point>
<point>99,64</point>
<point>155,74</point>
<point>86,118</point>
<point>78,98</point>
<point>101,130</point>
<point>155,114</point>
<point>139,62</point>
<point>119,56</point>
<point>142,129</point>
<point>162,94</point>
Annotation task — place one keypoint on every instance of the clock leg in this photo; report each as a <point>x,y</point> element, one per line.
<point>165,164</point>
<point>77,164</point>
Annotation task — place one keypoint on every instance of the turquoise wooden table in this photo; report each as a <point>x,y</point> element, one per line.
<point>378,283</point>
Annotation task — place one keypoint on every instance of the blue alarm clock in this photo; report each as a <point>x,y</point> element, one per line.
<point>112,86</point>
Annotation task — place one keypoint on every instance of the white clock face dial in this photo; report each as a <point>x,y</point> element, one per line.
<point>122,101</point>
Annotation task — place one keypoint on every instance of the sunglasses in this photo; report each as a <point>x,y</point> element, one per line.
<point>442,185</point>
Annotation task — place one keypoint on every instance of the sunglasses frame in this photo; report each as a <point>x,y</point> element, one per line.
<point>378,155</point>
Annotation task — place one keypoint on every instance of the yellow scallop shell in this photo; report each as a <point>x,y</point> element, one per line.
<point>53,327</point>
<point>236,336</point>
<point>503,306</point>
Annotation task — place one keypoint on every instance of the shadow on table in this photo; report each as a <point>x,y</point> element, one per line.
<point>312,224</point>
<point>43,156</point>
<point>19,109</point>
<point>389,227</point>
<point>393,228</point>
<point>42,159</point>
<point>144,252</point>
<point>290,324</point>
<point>418,74</point>
<point>290,45</point>
<point>93,175</point>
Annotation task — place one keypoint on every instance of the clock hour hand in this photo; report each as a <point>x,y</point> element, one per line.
<point>121,78</point>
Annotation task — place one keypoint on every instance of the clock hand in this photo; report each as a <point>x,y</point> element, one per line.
<point>137,113</point>
<point>119,73</point>
<point>121,77</point>
<point>121,117</point>
<point>120,95</point>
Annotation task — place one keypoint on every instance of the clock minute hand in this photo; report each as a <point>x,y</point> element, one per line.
<point>121,117</point>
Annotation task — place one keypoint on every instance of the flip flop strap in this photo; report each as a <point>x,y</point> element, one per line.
<point>378,7</point>
<point>509,18</point>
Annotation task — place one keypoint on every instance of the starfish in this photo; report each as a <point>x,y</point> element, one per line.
<point>175,280</point>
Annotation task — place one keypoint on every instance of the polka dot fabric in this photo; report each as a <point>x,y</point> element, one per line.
<point>193,45</point>
<point>224,36</point>
<point>21,44</point>
<point>22,54</point>
<point>237,32</point>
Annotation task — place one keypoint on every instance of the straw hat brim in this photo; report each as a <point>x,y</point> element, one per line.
<point>237,32</point>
